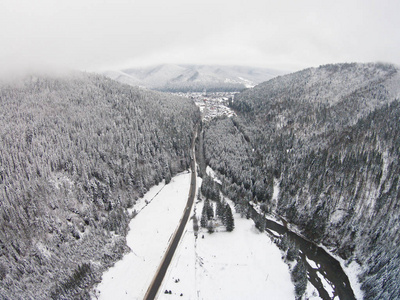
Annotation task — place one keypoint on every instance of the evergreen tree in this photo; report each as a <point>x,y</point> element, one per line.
<point>204,218</point>
<point>206,186</point>
<point>228,217</point>
<point>299,278</point>
<point>259,222</point>
<point>210,211</point>
<point>211,226</point>
<point>241,206</point>
<point>209,189</point>
<point>220,209</point>
<point>217,195</point>
<point>195,224</point>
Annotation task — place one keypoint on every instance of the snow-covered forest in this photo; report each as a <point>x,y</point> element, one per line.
<point>76,152</point>
<point>330,137</point>
<point>318,148</point>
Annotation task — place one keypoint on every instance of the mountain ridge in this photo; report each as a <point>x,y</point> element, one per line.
<point>196,78</point>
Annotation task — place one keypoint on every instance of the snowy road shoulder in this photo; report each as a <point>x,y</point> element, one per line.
<point>148,239</point>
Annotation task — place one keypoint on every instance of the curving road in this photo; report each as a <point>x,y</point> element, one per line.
<point>162,269</point>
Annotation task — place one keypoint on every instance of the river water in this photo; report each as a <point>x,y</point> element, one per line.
<point>326,265</point>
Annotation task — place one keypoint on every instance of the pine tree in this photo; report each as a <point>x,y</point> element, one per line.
<point>299,278</point>
<point>206,186</point>
<point>210,226</point>
<point>220,209</point>
<point>209,209</point>
<point>260,222</point>
<point>229,220</point>
<point>195,224</point>
<point>204,219</point>
<point>217,195</point>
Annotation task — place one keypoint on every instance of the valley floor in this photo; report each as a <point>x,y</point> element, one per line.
<point>243,264</point>
<point>148,239</point>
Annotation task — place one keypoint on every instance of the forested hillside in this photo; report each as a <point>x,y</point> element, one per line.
<point>75,153</point>
<point>330,137</point>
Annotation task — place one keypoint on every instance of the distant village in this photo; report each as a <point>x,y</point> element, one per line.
<point>212,105</point>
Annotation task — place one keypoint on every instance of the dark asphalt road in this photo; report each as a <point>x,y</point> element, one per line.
<point>162,269</point>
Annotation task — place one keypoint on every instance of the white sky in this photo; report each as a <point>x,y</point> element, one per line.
<point>284,34</point>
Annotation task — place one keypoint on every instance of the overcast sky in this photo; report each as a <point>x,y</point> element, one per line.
<point>284,34</point>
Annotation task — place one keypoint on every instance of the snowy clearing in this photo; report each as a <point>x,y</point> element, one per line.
<point>148,239</point>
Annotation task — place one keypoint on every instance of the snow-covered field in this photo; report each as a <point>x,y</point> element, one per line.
<point>242,264</point>
<point>148,239</point>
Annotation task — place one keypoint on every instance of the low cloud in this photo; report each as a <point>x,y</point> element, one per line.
<point>92,35</point>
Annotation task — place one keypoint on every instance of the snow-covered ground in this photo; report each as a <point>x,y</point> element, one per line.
<point>148,239</point>
<point>243,264</point>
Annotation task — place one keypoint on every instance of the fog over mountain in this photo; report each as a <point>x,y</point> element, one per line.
<point>289,35</point>
<point>194,78</point>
